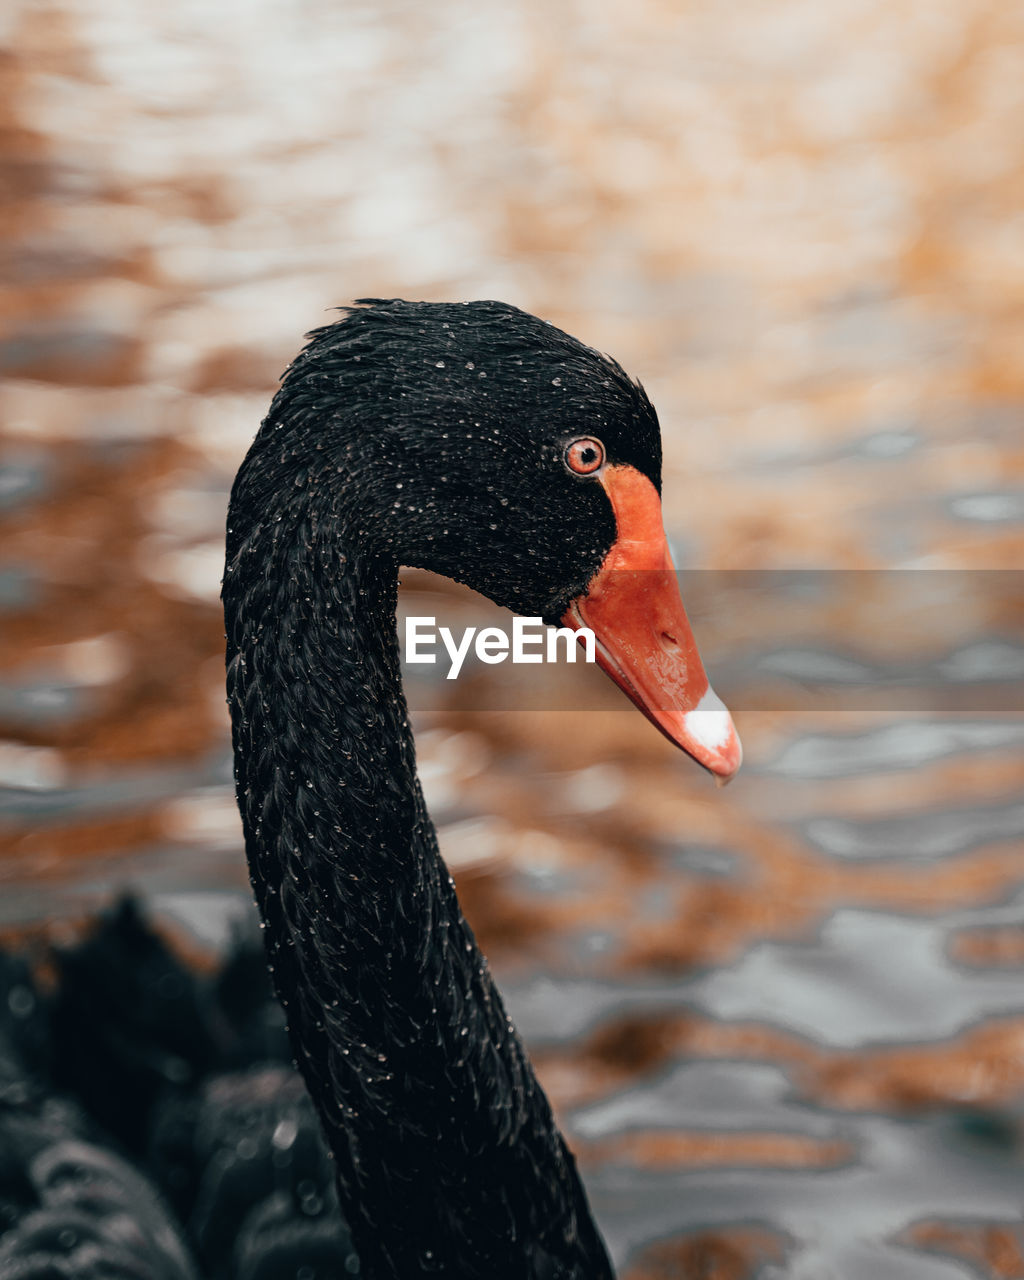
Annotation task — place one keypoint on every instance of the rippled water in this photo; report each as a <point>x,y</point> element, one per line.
<point>783,1023</point>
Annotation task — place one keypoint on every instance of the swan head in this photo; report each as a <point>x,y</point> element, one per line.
<point>482,443</point>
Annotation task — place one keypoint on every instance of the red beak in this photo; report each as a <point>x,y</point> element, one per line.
<point>644,640</point>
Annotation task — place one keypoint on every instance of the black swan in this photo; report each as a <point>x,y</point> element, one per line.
<point>152,1125</point>
<point>71,1208</point>
<point>484,444</point>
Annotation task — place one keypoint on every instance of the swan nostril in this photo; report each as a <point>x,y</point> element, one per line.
<point>669,640</point>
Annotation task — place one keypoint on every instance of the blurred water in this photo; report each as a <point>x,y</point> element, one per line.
<point>784,1024</point>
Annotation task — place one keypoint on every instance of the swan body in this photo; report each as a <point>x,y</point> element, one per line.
<point>152,1126</point>
<point>71,1206</point>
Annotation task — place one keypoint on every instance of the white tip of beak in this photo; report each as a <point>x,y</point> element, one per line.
<point>709,722</point>
<point>710,726</point>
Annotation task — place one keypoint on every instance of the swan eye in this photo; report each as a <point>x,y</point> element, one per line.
<point>584,456</point>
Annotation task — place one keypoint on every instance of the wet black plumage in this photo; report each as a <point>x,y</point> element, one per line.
<point>429,435</point>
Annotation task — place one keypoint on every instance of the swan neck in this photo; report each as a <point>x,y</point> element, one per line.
<point>447,1155</point>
